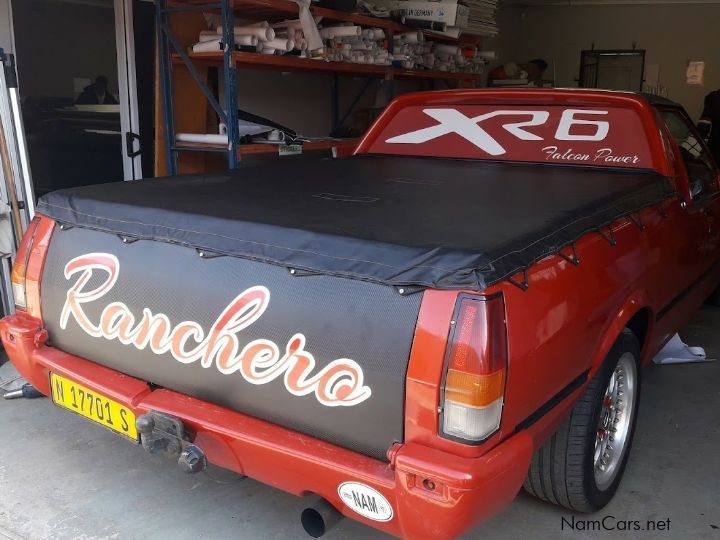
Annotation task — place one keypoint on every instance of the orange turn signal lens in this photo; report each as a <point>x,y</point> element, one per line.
<point>472,389</point>
<point>19,269</point>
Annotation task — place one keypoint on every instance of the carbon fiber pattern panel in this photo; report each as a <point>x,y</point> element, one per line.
<point>341,318</point>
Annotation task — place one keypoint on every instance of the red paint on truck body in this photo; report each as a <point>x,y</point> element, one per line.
<point>559,331</point>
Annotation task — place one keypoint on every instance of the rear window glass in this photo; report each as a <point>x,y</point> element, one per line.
<point>596,136</point>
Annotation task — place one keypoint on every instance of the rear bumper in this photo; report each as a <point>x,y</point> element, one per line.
<point>466,490</point>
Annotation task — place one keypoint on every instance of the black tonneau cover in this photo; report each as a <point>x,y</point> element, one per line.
<point>427,222</point>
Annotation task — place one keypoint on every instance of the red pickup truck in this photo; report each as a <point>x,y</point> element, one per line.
<point>409,334</point>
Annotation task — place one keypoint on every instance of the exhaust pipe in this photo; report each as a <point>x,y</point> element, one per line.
<point>319,518</point>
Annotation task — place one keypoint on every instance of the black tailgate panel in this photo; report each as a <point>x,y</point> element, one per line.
<point>369,323</point>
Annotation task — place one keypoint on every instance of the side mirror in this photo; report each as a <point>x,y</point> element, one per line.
<point>696,188</point>
<point>705,128</point>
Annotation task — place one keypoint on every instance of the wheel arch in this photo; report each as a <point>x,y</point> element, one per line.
<point>640,324</point>
<point>636,314</point>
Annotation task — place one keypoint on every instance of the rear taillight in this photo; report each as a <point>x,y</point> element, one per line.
<point>476,360</point>
<point>20,265</point>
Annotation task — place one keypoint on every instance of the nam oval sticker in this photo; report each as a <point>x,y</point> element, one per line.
<point>366,501</point>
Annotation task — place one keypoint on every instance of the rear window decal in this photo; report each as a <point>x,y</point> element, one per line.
<point>611,136</point>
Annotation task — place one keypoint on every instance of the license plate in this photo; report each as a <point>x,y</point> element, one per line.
<point>85,402</point>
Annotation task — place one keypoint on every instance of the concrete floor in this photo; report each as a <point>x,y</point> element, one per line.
<point>62,477</point>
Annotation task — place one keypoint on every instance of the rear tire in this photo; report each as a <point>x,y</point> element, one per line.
<point>581,465</point>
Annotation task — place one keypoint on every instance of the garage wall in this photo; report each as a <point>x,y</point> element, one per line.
<point>671,34</point>
<point>6,37</point>
<point>299,101</point>
<point>302,102</point>
<point>506,43</point>
<point>57,41</point>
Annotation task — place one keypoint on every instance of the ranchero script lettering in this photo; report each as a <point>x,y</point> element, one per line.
<point>603,155</point>
<point>339,384</point>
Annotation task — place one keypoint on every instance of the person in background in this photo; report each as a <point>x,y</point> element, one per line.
<point>709,123</point>
<point>533,71</point>
<point>97,93</point>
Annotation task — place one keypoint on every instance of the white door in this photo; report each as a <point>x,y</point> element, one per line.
<point>127,89</point>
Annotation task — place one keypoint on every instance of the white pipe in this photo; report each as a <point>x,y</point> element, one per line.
<point>340,31</point>
<point>451,50</point>
<point>280,44</point>
<point>207,46</point>
<point>289,24</point>
<point>262,33</point>
<point>248,41</point>
<point>208,35</point>
<point>209,138</point>
<point>379,34</point>
<point>412,37</point>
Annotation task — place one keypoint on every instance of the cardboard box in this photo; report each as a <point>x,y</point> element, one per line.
<point>450,12</point>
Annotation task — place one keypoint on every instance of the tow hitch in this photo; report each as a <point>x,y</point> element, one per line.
<point>162,433</point>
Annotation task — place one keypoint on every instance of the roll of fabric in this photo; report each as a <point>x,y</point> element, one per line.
<point>309,26</point>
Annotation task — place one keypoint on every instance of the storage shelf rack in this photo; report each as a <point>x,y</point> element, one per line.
<point>174,55</point>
